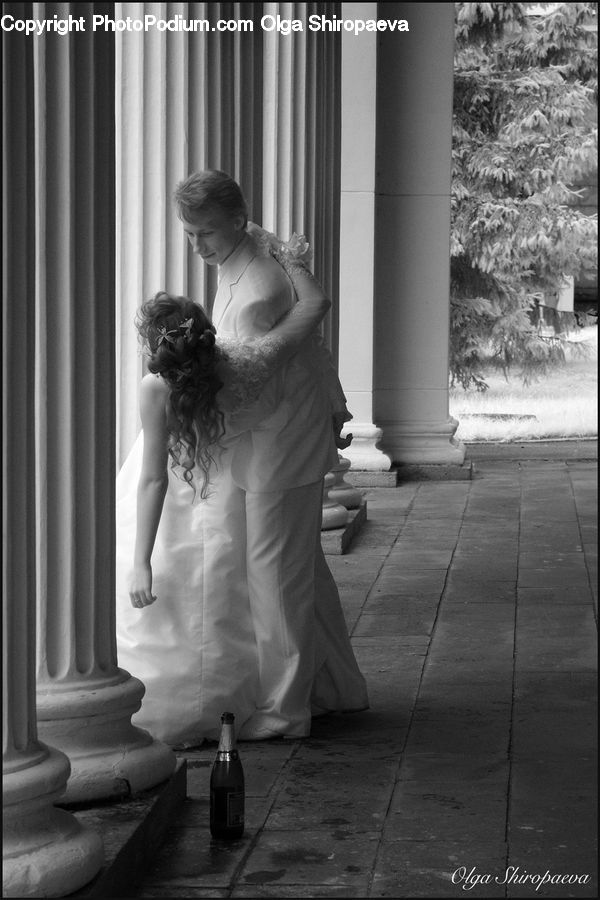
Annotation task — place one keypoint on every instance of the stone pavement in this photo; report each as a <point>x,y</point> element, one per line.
<point>472,609</point>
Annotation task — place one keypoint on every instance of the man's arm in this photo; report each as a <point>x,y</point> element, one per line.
<point>292,325</point>
<point>340,414</point>
<point>263,296</point>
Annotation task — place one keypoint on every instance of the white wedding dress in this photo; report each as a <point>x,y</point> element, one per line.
<point>190,678</point>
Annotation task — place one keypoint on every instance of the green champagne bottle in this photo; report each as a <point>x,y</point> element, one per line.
<point>227,792</point>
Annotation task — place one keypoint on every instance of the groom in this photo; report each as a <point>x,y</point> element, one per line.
<point>263,519</point>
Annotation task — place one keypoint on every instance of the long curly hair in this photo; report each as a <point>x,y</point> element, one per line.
<point>179,341</point>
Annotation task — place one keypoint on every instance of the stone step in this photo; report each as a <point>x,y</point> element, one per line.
<point>401,474</point>
<point>132,831</point>
<point>336,541</point>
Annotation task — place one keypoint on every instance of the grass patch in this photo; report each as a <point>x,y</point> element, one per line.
<point>564,404</point>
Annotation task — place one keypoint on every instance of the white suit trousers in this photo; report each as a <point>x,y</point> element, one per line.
<point>282,528</point>
<point>259,590</point>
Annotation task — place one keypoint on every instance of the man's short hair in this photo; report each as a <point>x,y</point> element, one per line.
<point>207,190</point>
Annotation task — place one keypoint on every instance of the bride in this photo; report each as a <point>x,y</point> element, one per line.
<point>200,394</point>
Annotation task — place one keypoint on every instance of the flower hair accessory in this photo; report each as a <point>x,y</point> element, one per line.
<point>297,248</point>
<point>184,329</point>
<point>295,251</point>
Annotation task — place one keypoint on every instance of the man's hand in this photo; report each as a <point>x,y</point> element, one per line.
<point>342,442</point>
<point>339,420</point>
<point>140,587</point>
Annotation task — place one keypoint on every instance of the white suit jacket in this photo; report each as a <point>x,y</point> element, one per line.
<point>294,444</point>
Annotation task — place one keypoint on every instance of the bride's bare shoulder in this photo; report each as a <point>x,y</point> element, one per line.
<point>153,387</point>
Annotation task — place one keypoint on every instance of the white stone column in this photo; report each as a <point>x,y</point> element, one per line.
<point>152,70</point>
<point>300,137</point>
<point>85,701</point>
<point>185,101</point>
<point>283,121</point>
<point>412,235</point>
<point>151,156</point>
<point>357,239</point>
<point>46,852</point>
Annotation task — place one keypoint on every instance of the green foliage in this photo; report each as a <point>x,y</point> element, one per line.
<point>524,104</point>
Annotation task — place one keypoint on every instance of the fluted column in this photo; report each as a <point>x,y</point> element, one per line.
<point>357,239</point>
<point>283,124</point>
<point>412,235</point>
<point>185,101</point>
<point>151,155</point>
<point>301,164</point>
<point>85,701</point>
<point>301,167</point>
<point>300,137</point>
<point>46,852</point>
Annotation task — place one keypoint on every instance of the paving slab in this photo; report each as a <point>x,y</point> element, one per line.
<point>441,810</point>
<point>438,869</point>
<point>555,576</point>
<point>475,621</point>
<point>464,668</point>
<point>493,700</point>
<point>559,637</point>
<point>326,790</point>
<point>409,580</point>
<point>459,736</point>
<point>536,451</point>
<point>323,891</point>
<point>567,734</point>
<point>550,806</point>
<point>316,858</point>
<point>411,554</point>
<point>551,595</point>
<point>475,592</point>
<point>398,614</point>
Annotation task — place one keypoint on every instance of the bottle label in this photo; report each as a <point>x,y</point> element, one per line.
<point>235,808</point>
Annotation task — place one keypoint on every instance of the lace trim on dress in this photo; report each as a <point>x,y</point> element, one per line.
<point>293,255</point>
<point>250,365</point>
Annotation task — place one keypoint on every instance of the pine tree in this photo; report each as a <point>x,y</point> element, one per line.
<point>524,102</point>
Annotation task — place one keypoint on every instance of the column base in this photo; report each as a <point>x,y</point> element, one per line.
<point>46,851</point>
<point>341,491</point>
<point>422,443</point>
<point>363,452</point>
<point>334,514</point>
<point>110,757</point>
